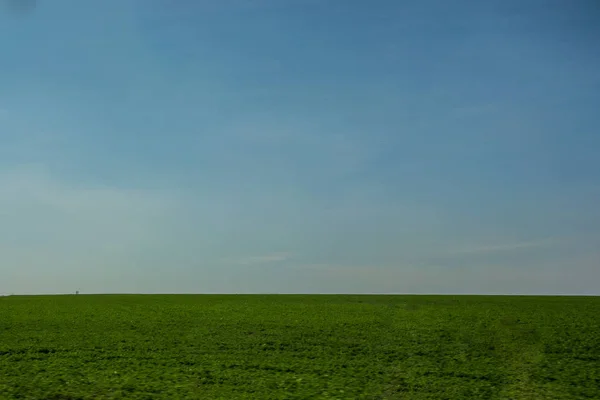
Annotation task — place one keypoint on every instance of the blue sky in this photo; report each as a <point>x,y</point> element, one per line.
<point>314,146</point>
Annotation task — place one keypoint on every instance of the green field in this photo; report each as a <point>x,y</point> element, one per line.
<point>299,347</point>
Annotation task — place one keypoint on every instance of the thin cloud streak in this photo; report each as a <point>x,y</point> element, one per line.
<point>255,260</point>
<point>507,247</point>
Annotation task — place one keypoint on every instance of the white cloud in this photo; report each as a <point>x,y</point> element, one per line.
<point>505,247</point>
<point>262,259</point>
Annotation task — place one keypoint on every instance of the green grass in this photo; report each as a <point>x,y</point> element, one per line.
<point>299,347</point>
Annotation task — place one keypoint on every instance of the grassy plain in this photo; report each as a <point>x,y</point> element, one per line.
<point>299,347</point>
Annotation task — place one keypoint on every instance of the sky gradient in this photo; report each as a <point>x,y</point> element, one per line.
<point>300,146</point>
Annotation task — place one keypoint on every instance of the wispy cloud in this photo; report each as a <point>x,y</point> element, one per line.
<point>550,278</point>
<point>505,247</point>
<point>255,260</point>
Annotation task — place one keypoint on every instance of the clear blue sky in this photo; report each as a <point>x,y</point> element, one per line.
<point>300,146</point>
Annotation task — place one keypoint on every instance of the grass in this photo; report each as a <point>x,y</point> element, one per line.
<point>299,347</point>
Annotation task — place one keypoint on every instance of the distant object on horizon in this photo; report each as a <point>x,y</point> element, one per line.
<point>20,7</point>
